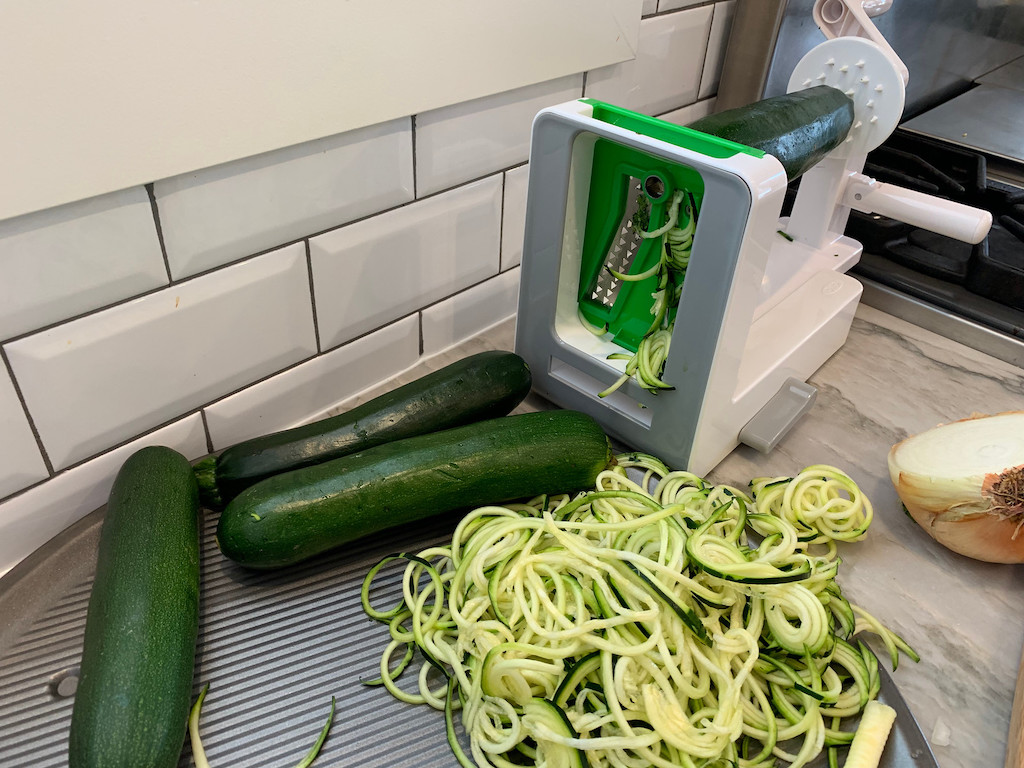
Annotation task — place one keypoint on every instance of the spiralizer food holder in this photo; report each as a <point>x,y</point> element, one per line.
<point>765,300</point>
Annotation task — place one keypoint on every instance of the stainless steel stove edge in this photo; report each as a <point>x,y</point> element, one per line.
<point>942,322</point>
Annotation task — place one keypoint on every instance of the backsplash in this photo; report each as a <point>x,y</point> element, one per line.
<point>208,308</point>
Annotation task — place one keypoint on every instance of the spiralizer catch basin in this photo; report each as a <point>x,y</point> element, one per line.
<point>742,338</point>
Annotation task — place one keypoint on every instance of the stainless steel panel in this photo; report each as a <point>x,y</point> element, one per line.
<point>987,118</point>
<point>946,44</point>
<point>1007,76</point>
<point>755,28</point>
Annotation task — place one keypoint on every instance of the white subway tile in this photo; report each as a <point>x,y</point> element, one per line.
<point>21,463</point>
<point>666,71</point>
<point>220,214</point>
<point>718,41</point>
<point>689,114</point>
<point>64,261</point>
<point>513,220</point>
<point>94,382</point>
<point>375,271</point>
<point>649,7</point>
<point>471,312</point>
<point>30,519</point>
<point>469,140</point>
<point>308,391</point>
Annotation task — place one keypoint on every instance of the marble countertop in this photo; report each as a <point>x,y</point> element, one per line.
<point>965,618</point>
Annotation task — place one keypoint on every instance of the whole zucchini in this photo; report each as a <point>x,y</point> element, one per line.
<point>798,128</point>
<point>482,386</point>
<point>132,702</point>
<point>293,516</point>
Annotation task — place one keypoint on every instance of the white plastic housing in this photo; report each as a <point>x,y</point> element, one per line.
<point>756,309</point>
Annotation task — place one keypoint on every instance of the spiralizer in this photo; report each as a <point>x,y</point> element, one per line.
<point>757,302</point>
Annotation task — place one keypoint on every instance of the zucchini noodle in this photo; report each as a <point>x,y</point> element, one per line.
<point>675,244</point>
<point>657,620</point>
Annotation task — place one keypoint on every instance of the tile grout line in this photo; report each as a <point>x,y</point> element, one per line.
<point>412,132</point>
<point>707,47</point>
<point>312,295</point>
<point>681,9</point>
<point>150,190</point>
<point>206,429</point>
<point>419,320</point>
<point>28,415</point>
<point>501,219</point>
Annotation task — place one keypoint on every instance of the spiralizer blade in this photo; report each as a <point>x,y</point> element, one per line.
<point>639,225</point>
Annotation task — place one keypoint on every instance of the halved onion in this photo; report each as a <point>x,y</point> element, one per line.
<point>963,482</point>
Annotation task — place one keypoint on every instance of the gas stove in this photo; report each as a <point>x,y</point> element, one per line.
<point>974,294</point>
<point>959,138</point>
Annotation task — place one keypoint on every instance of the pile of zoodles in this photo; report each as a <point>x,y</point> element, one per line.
<point>664,620</point>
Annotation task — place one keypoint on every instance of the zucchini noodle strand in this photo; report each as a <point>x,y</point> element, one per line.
<point>656,620</point>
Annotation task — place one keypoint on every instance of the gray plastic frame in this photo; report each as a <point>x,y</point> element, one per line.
<point>667,422</point>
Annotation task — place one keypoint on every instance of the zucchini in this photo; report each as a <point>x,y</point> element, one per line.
<point>541,717</point>
<point>482,386</point>
<point>293,516</point>
<point>576,677</point>
<point>798,128</point>
<point>131,706</point>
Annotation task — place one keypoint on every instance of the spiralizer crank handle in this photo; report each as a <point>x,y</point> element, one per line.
<point>962,222</point>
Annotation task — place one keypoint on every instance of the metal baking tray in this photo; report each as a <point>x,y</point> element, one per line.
<point>274,647</point>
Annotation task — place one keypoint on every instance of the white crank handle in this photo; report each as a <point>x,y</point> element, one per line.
<point>962,222</point>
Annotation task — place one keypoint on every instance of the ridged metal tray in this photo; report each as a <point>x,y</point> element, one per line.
<point>274,647</point>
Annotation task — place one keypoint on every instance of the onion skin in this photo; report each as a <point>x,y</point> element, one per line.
<point>980,535</point>
<point>964,522</point>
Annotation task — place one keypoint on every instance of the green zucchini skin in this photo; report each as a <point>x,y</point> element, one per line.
<point>132,702</point>
<point>798,128</point>
<point>291,517</point>
<point>482,386</point>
